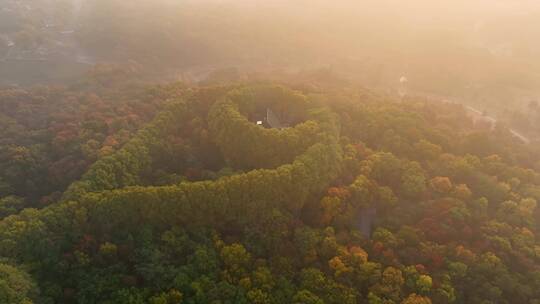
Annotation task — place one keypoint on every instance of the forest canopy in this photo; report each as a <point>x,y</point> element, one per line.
<point>269,152</point>
<point>177,195</point>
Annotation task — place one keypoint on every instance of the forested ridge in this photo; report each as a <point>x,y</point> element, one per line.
<point>173,194</point>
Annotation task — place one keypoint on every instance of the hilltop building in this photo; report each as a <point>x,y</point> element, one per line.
<point>271,121</point>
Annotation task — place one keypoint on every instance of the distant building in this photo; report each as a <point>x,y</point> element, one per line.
<point>480,119</point>
<point>271,121</point>
<point>403,79</point>
<point>402,91</point>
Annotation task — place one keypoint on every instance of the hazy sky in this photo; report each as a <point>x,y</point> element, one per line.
<point>454,42</point>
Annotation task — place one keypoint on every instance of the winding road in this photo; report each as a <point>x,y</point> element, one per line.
<point>492,120</point>
<point>474,113</point>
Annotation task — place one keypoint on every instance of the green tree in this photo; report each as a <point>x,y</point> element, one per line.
<point>16,286</point>
<point>416,299</point>
<point>306,297</point>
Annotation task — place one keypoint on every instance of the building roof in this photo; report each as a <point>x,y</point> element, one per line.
<point>272,120</point>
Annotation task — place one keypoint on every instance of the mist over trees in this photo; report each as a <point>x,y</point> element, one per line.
<point>269,152</point>
<point>476,52</point>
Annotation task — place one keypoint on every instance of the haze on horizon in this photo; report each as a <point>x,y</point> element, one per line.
<point>481,49</point>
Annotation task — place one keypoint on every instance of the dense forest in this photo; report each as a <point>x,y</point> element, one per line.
<point>113,191</point>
